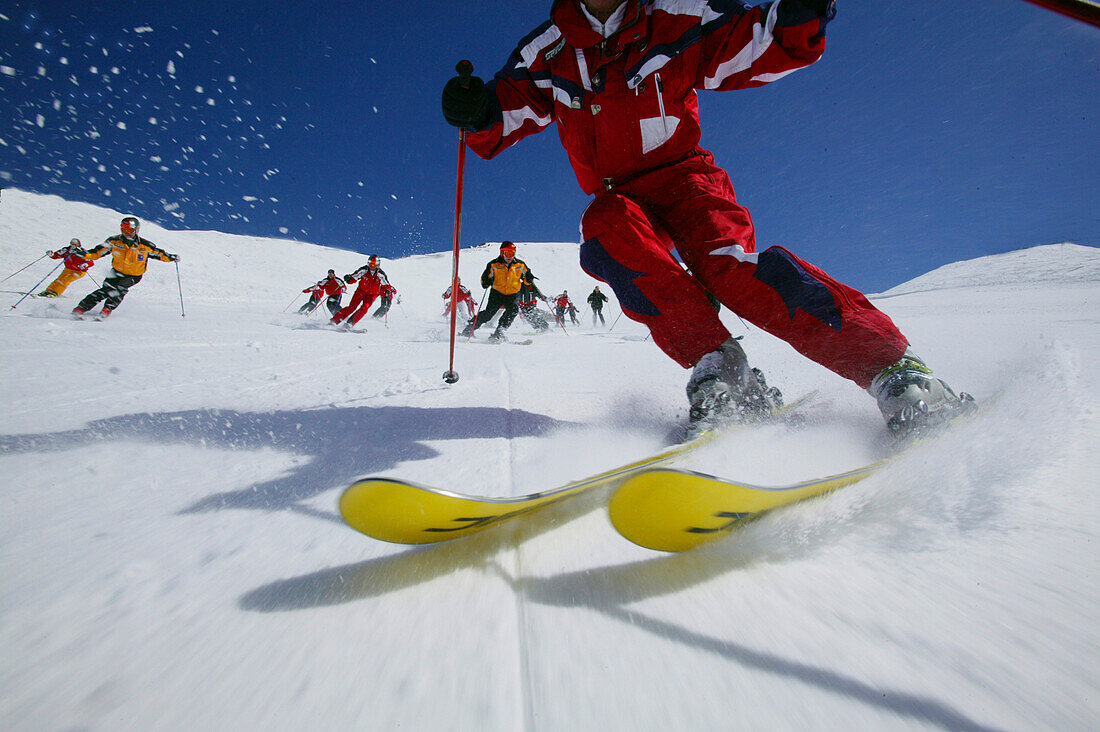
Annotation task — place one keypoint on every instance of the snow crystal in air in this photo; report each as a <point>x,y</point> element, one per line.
<point>7,71</point>
<point>171,67</point>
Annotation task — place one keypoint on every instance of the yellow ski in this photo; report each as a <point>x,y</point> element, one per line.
<point>673,510</point>
<point>406,513</point>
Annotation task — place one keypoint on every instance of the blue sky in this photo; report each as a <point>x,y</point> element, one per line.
<point>928,133</point>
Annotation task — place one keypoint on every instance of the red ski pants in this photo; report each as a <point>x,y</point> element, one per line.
<point>360,303</point>
<point>629,232</point>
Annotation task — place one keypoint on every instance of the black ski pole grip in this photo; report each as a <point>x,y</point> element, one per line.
<point>465,69</point>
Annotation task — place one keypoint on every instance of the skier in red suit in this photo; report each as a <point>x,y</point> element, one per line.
<point>464,297</point>
<point>620,79</point>
<point>371,278</point>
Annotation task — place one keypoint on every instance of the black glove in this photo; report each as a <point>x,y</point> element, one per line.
<point>466,99</point>
<point>174,257</point>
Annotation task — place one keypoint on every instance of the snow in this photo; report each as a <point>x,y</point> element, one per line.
<point>171,557</point>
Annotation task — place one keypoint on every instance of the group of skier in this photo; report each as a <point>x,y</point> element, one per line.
<point>130,256</point>
<point>371,284</point>
<point>620,79</point>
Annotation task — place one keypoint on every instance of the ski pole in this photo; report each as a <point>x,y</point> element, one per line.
<point>183,313</point>
<point>28,293</point>
<point>291,302</point>
<point>478,315</point>
<point>13,274</point>
<point>616,322</point>
<point>465,69</point>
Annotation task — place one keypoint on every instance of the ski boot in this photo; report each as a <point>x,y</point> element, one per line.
<point>468,330</point>
<point>78,313</point>
<point>47,293</point>
<point>913,400</point>
<point>724,389</point>
<point>104,313</point>
<point>497,336</point>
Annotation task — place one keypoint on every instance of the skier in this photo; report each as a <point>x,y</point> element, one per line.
<point>596,299</point>
<point>565,305</point>
<point>331,286</point>
<point>527,301</point>
<point>76,265</point>
<point>130,255</point>
<point>464,298</point>
<point>620,78</point>
<point>371,279</point>
<point>334,289</point>
<point>315,291</point>
<point>505,275</point>
<point>388,293</point>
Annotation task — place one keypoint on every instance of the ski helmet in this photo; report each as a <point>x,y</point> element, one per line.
<point>508,247</point>
<point>74,242</point>
<point>373,261</point>
<point>130,226</point>
<point>332,273</point>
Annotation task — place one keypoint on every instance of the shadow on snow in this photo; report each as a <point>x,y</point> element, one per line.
<point>340,444</point>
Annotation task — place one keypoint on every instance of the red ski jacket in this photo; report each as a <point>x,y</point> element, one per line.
<point>370,280</point>
<point>627,104</point>
<point>73,260</point>
<point>332,285</point>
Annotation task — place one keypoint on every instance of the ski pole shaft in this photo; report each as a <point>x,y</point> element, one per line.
<point>478,314</point>
<point>183,313</point>
<point>616,322</point>
<point>13,274</point>
<point>28,293</point>
<point>292,302</point>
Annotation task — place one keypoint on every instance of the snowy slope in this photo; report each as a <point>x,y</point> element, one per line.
<point>171,558</point>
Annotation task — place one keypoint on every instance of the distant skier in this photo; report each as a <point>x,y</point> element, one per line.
<point>76,265</point>
<point>505,275</point>
<point>334,288</point>
<point>315,291</point>
<point>527,302</point>
<point>565,305</point>
<point>371,278</point>
<point>620,81</point>
<point>464,298</point>
<point>130,255</point>
<point>595,301</point>
<point>388,293</point>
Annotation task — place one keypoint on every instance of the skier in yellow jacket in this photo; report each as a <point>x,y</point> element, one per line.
<point>506,275</point>
<point>130,255</point>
